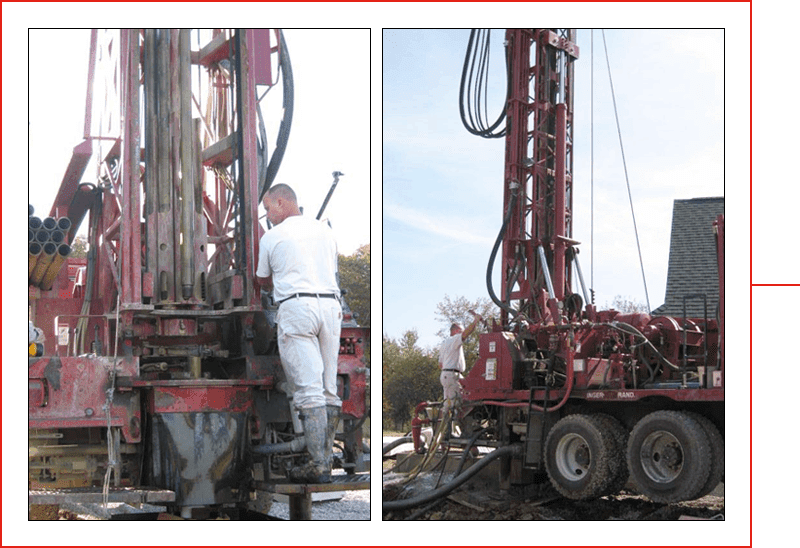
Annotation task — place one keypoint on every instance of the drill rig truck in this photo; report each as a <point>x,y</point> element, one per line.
<point>590,399</point>
<point>159,380</point>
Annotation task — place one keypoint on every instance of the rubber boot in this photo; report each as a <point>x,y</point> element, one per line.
<point>334,414</point>
<point>314,425</point>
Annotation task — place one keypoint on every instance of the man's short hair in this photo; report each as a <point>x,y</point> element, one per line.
<point>455,326</point>
<point>283,191</point>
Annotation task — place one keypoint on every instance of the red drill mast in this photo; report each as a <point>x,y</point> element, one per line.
<point>537,249</point>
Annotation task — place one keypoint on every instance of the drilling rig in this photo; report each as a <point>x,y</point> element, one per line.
<point>589,399</point>
<point>159,380</point>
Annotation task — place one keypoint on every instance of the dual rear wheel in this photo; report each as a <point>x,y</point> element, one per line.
<point>670,456</point>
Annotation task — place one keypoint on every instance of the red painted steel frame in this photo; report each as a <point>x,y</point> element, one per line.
<point>538,166</point>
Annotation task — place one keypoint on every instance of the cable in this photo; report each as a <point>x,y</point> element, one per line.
<point>625,167</point>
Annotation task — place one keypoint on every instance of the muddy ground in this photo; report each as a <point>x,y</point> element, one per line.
<point>481,499</point>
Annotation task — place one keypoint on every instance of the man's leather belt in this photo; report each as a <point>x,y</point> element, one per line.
<point>456,370</point>
<point>317,295</point>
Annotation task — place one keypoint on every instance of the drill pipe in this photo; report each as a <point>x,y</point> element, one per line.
<point>42,236</point>
<point>30,210</point>
<point>187,168</point>
<point>63,224</point>
<point>31,235</point>
<point>57,236</point>
<point>34,222</point>
<point>49,250</point>
<point>49,223</point>
<point>34,250</point>
<point>55,267</point>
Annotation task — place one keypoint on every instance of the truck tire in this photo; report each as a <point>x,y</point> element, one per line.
<point>717,444</point>
<point>669,456</point>
<point>618,464</point>
<point>578,457</point>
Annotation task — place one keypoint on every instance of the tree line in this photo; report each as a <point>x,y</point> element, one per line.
<point>411,373</point>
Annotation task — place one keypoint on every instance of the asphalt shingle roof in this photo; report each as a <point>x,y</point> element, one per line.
<point>692,258</point>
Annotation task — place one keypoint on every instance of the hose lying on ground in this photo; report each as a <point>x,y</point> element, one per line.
<point>461,462</point>
<point>396,443</point>
<point>456,482</point>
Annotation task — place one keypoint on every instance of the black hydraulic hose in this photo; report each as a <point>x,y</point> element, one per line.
<point>493,255</point>
<point>286,121</point>
<point>467,449</point>
<point>397,443</point>
<point>458,481</point>
<point>461,463</point>
<point>476,127</point>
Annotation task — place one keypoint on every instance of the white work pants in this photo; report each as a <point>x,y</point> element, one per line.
<point>452,389</point>
<point>308,342</point>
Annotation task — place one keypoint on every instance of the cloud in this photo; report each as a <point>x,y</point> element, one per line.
<point>452,228</point>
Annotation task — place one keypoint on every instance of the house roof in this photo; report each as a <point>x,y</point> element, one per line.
<point>692,258</point>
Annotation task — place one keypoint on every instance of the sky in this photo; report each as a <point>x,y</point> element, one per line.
<point>322,139</point>
<point>442,201</point>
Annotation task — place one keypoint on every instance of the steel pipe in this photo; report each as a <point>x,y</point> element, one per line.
<point>294,446</point>
<point>49,251</point>
<point>49,223</point>
<point>30,210</point>
<point>34,250</point>
<point>55,267</point>
<point>42,236</point>
<point>63,224</point>
<point>57,236</point>
<point>34,222</point>
<point>187,168</point>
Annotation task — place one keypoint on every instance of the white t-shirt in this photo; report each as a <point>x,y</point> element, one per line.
<point>451,353</point>
<point>300,255</point>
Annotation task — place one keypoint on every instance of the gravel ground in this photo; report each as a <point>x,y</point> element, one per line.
<point>354,505</point>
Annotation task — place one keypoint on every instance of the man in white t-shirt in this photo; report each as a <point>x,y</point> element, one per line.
<point>298,262</point>
<point>452,364</point>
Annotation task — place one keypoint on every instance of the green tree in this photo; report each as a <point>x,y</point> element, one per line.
<point>410,376</point>
<point>450,311</point>
<point>354,278</point>
<point>79,248</point>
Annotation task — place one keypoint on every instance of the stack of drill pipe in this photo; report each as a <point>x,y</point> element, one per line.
<point>47,249</point>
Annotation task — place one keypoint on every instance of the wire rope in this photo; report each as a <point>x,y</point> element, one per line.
<point>625,167</point>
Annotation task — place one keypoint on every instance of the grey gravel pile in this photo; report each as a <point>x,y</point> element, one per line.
<point>354,505</point>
